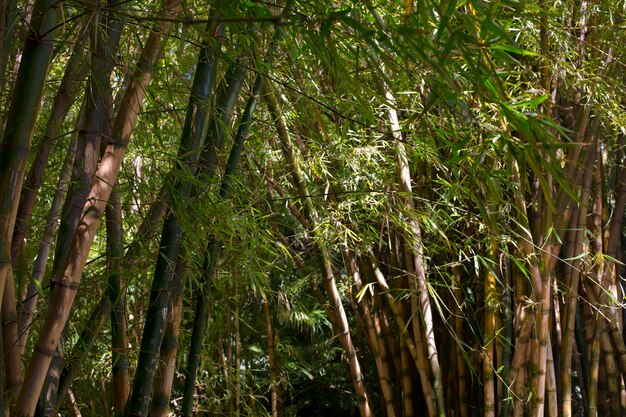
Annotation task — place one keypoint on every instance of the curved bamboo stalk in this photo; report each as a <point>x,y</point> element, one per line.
<point>104,41</point>
<point>339,318</point>
<point>416,354</point>
<point>419,276</point>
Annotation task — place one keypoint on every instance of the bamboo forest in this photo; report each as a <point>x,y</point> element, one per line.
<point>313,208</point>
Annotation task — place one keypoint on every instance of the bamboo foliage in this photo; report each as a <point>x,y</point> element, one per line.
<point>210,262</point>
<point>336,308</point>
<point>419,211</point>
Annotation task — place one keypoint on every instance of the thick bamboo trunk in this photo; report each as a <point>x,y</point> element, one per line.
<point>417,351</point>
<point>14,150</point>
<point>420,274</point>
<point>165,279</point>
<point>343,331</point>
<point>164,378</point>
<point>65,290</point>
<point>75,73</point>
<point>104,42</point>
<point>374,337</point>
<point>22,115</point>
<point>489,364</point>
<point>525,318</point>
<point>221,119</point>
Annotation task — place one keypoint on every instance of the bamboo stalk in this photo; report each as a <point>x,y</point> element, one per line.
<point>572,293</point>
<point>274,376</point>
<point>22,115</point>
<point>416,354</point>
<point>117,300</point>
<point>339,318</point>
<point>165,279</point>
<point>375,340</point>
<point>164,377</point>
<point>73,77</point>
<point>14,150</point>
<point>489,364</point>
<point>419,276</point>
<point>463,382</point>
<point>210,261</point>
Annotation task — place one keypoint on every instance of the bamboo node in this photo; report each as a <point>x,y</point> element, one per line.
<point>44,351</point>
<point>69,285</point>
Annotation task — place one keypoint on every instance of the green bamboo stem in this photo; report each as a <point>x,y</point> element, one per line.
<point>210,262</point>
<point>192,138</point>
<point>14,150</point>
<point>21,118</point>
<point>104,41</point>
<point>162,390</point>
<point>117,301</point>
<point>221,120</point>
<point>9,18</point>
<point>222,114</point>
<point>74,75</point>
<point>583,378</point>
